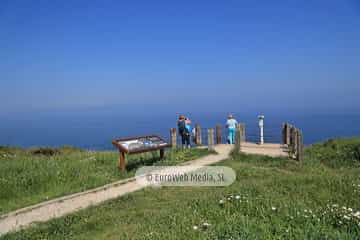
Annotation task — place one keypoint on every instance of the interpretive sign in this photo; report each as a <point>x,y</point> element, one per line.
<point>140,144</point>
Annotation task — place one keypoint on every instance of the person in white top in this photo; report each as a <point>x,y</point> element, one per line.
<point>231,124</point>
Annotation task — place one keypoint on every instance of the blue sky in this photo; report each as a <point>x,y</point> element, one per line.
<point>280,55</point>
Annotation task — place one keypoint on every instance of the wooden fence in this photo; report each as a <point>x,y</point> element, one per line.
<point>292,138</point>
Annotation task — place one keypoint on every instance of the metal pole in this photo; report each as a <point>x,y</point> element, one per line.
<point>261,126</point>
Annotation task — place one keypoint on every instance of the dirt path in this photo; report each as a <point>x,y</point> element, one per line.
<point>269,149</point>
<point>58,207</point>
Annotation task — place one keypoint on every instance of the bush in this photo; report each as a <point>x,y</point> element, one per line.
<point>336,152</point>
<point>45,151</point>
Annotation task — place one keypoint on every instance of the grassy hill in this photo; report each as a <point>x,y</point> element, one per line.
<point>29,176</point>
<point>272,198</point>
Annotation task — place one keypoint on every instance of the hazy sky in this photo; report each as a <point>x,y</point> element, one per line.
<point>266,54</point>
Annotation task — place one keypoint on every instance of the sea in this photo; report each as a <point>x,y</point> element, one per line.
<point>94,129</point>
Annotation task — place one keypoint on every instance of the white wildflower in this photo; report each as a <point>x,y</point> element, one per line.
<point>237,197</point>
<point>195,227</point>
<point>273,208</point>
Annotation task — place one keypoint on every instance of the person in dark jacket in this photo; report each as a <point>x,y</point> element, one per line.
<point>182,129</point>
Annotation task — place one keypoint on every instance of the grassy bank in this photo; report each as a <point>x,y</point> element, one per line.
<point>272,198</point>
<point>29,176</point>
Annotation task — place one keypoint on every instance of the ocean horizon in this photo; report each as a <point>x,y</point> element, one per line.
<point>94,129</point>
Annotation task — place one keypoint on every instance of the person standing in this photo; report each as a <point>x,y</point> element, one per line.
<point>188,131</point>
<point>231,124</point>
<point>181,129</point>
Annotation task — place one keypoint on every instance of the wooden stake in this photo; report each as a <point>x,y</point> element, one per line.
<point>300,146</point>
<point>242,132</point>
<point>288,127</point>
<point>218,134</point>
<point>198,134</point>
<point>283,133</point>
<point>238,138</point>
<point>173,137</point>
<point>211,139</point>
<point>292,137</point>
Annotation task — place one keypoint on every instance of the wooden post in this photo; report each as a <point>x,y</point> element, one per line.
<point>122,161</point>
<point>173,137</point>
<point>218,134</point>
<point>237,139</point>
<point>198,134</point>
<point>292,143</point>
<point>288,135</point>
<point>283,133</point>
<point>300,146</point>
<point>292,137</point>
<point>242,132</point>
<point>296,144</point>
<point>211,139</point>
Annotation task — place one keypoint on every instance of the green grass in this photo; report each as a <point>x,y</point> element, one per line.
<point>336,153</point>
<point>29,176</point>
<point>277,199</point>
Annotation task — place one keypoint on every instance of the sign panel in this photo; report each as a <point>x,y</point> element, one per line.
<point>140,144</point>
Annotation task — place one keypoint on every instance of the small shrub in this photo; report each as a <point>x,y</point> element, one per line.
<point>45,151</point>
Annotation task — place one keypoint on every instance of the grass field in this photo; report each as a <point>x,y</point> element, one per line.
<point>29,176</point>
<point>272,198</point>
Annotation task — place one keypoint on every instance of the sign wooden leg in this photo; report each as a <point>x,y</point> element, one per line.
<point>122,161</point>
<point>161,153</point>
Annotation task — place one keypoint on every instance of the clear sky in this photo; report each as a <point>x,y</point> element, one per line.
<point>266,54</point>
